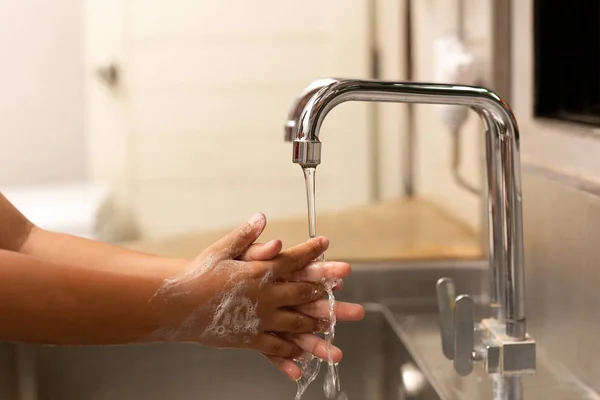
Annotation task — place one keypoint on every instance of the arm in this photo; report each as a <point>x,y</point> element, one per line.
<point>61,289</point>
<point>56,303</point>
<point>17,233</point>
<point>61,248</point>
<point>14,227</point>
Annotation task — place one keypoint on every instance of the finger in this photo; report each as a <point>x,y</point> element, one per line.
<point>286,366</point>
<point>343,311</point>
<point>238,240</point>
<point>300,256</point>
<point>289,294</point>
<point>276,346</point>
<point>293,322</point>
<point>337,286</point>
<point>316,346</point>
<point>317,271</point>
<point>262,252</point>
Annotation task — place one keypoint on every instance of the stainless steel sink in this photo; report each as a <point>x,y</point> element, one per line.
<point>395,353</point>
<point>375,357</point>
<point>371,370</point>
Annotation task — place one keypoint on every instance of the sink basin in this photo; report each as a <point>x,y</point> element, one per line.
<point>375,357</point>
<point>393,354</point>
<point>371,370</point>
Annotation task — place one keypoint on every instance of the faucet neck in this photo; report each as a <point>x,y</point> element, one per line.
<point>502,167</point>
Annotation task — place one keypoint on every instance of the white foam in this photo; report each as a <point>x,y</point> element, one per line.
<point>266,279</point>
<point>235,314</point>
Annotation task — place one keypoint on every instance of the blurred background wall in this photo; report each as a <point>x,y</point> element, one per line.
<point>188,135</point>
<point>42,95</point>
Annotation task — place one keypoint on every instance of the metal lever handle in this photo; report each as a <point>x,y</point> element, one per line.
<point>457,326</point>
<point>445,297</point>
<point>464,334</point>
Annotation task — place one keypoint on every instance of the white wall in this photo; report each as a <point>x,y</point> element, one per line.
<point>192,137</point>
<point>431,19</point>
<point>391,118</point>
<point>564,147</point>
<point>41,109</point>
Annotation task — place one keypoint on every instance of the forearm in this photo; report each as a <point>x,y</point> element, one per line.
<point>14,227</point>
<point>55,303</point>
<point>71,250</point>
<point>17,233</point>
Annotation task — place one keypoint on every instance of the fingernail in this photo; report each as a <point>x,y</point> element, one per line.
<point>325,242</point>
<point>273,242</point>
<point>295,377</point>
<point>256,219</point>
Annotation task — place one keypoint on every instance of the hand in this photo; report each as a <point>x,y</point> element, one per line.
<point>319,309</point>
<point>224,302</point>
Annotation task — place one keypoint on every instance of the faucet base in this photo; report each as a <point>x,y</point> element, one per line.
<point>503,354</point>
<point>487,342</point>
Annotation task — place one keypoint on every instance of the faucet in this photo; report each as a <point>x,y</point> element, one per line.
<point>500,342</point>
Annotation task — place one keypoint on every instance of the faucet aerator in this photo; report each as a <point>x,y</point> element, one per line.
<point>307,153</point>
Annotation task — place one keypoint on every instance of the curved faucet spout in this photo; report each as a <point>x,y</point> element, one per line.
<point>502,167</point>
<point>323,95</point>
<point>300,103</point>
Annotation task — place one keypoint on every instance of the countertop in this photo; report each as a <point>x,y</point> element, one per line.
<point>388,231</point>
<point>419,332</point>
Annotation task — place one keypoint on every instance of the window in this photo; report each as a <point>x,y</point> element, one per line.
<point>567,60</point>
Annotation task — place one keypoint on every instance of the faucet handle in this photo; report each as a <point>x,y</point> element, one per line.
<point>445,298</point>
<point>464,334</point>
<point>457,326</point>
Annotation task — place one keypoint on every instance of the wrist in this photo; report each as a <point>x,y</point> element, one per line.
<point>163,311</point>
<point>170,268</point>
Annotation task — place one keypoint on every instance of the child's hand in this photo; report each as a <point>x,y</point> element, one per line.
<point>224,302</point>
<point>314,272</point>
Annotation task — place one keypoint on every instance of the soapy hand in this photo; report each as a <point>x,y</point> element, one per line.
<point>314,272</point>
<point>224,300</point>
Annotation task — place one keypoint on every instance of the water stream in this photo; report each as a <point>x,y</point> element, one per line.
<point>310,365</point>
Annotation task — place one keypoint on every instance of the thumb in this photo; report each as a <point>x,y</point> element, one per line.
<point>238,240</point>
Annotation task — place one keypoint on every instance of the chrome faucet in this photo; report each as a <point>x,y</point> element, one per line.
<point>500,342</point>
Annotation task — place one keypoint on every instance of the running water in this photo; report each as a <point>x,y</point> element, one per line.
<point>309,364</point>
<point>309,179</point>
<point>331,384</point>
